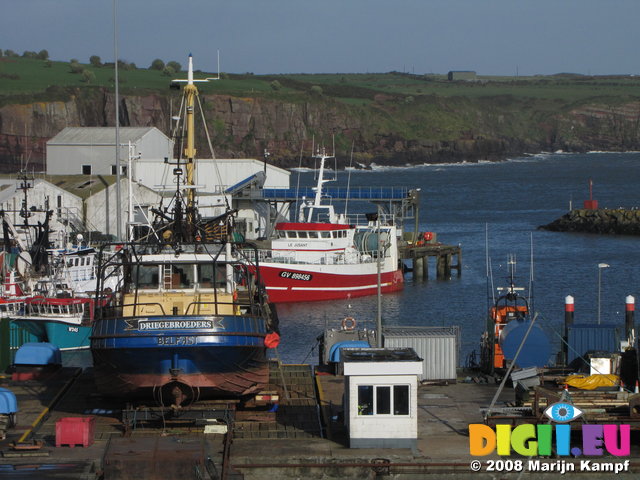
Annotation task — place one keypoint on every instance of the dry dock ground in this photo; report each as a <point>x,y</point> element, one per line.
<point>303,439</point>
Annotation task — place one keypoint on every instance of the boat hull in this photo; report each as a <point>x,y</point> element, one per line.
<point>64,335</point>
<point>316,282</point>
<point>201,356</point>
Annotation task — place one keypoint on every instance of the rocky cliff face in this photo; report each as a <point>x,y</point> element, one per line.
<point>383,133</point>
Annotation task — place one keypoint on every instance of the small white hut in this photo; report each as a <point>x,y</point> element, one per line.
<point>381,397</point>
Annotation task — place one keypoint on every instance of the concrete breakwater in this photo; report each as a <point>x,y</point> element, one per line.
<point>619,221</point>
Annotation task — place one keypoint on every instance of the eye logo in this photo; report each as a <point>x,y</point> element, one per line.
<point>562,412</point>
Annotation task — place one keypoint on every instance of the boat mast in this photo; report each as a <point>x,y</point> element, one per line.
<point>321,180</point>
<point>317,203</point>
<point>190,92</point>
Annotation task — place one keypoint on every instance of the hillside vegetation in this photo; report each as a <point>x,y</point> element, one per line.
<point>392,118</point>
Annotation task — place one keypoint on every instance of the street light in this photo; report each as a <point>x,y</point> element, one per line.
<point>600,267</point>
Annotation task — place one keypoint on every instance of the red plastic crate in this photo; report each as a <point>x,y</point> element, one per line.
<point>74,431</point>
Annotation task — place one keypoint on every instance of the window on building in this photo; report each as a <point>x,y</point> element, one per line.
<point>141,214</point>
<point>114,170</point>
<point>383,399</point>
<point>401,400</point>
<point>86,169</point>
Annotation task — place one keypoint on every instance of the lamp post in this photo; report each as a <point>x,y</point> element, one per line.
<point>600,267</point>
<point>117,123</point>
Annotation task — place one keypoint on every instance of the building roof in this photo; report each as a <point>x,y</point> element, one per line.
<point>99,135</point>
<point>380,355</point>
<point>10,186</point>
<point>82,186</point>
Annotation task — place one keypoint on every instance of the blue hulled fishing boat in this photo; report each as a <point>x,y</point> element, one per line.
<point>191,323</point>
<point>191,320</point>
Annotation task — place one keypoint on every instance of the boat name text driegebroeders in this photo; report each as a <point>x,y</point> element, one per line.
<point>179,324</point>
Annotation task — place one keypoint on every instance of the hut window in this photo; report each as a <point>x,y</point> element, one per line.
<point>383,399</point>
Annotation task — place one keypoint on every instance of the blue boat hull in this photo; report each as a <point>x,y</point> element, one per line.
<point>180,356</point>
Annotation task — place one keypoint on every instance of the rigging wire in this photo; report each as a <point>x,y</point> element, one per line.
<point>213,156</point>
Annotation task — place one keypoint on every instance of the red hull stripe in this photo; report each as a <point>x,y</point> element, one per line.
<point>311,226</point>
<point>335,289</point>
<point>325,286</point>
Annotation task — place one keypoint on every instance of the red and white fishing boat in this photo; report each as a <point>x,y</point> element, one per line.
<point>324,256</point>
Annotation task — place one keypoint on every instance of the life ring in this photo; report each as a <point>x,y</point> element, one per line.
<point>428,236</point>
<point>349,323</point>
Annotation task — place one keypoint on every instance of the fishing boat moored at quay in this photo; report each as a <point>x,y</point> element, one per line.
<point>324,256</point>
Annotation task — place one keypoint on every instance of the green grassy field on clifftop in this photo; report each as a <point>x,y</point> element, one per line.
<point>28,76</point>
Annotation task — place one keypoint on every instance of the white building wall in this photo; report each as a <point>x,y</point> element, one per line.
<point>102,207</point>
<point>43,195</point>
<point>382,426</point>
<point>213,176</point>
<point>68,159</point>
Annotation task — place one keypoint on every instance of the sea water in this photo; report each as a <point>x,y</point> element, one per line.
<point>495,207</point>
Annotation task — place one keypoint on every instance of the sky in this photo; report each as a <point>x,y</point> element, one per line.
<point>492,37</point>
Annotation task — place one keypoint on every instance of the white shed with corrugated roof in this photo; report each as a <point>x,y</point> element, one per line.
<point>91,150</point>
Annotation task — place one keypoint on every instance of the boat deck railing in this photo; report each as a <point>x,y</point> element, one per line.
<point>50,308</point>
<point>193,308</point>
<point>355,258</point>
<point>11,308</point>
